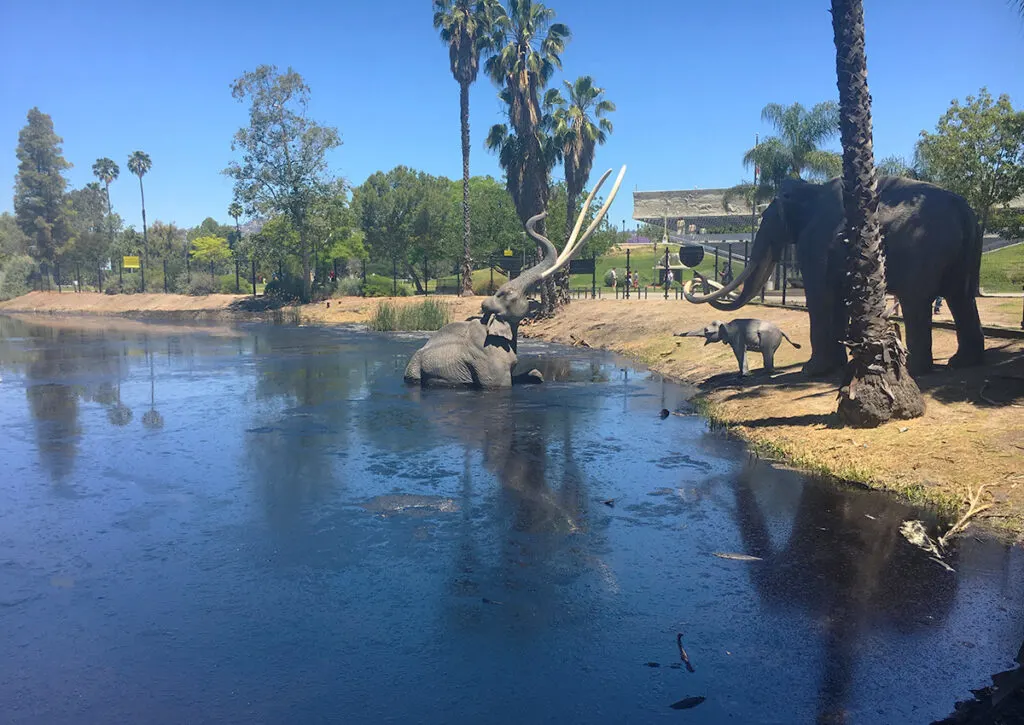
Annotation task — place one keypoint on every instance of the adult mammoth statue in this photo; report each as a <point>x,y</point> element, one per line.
<point>932,248</point>
<point>481,352</point>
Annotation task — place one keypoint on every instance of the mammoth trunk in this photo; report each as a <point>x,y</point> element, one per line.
<point>753,279</point>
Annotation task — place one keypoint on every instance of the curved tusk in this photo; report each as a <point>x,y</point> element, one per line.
<point>572,246</point>
<point>584,209</point>
<point>720,290</point>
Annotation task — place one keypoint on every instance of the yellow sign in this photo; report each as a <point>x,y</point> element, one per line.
<point>131,263</point>
<point>508,252</point>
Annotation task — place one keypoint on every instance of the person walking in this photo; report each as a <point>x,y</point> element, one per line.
<point>615,278</point>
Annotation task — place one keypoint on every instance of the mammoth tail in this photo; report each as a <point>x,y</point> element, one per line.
<point>794,344</point>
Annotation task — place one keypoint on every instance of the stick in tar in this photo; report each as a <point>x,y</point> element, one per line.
<point>682,652</point>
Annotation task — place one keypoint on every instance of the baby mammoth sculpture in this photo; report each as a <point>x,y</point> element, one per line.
<point>932,249</point>
<point>742,335</point>
<point>481,352</point>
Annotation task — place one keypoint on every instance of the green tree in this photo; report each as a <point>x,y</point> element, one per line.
<point>107,171</point>
<point>91,225</point>
<point>235,211</point>
<point>212,251</point>
<point>169,240</point>
<point>465,27</point>
<point>578,135</point>
<point>139,164</point>
<point>284,153</point>
<point>977,151</point>
<point>495,225</point>
<point>795,151</point>
<point>878,386</point>
<point>526,47</point>
<point>406,215</point>
<point>40,204</point>
<point>13,242</point>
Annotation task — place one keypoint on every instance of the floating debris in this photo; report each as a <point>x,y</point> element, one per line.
<point>491,601</point>
<point>687,703</point>
<point>610,502</point>
<point>682,654</point>
<point>652,664</point>
<point>736,557</point>
<point>664,413</point>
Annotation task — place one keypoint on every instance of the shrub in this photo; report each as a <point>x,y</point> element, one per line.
<point>349,287</point>
<point>132,284</point>
<point>426,315</point>
<point>377,286</point>
<point>227,284</point>
<point>288,289</point>
<point>199,286</point>
<point>14,277</point>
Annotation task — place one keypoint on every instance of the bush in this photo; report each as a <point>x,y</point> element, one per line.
<point>287,290</point>
<point>377,286</point>
<point>227,284</point>
<point>14,277</point>
<point>426,315</point>
<point>132,284</point>
<point>349,287</point>
<point>199,286</point>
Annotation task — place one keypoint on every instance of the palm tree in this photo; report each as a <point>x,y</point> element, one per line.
<point>139,164</point>
<point>794,152</point>
<point>235,211</point>
<point>877,386</point>
<point>526,47</point>
<point>578,135</point>
<point>465,28</point>
<point>107,171</point>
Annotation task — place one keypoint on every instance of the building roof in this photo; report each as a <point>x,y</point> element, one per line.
<point>689,204</point>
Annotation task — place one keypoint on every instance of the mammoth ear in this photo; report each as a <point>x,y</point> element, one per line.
<point>499,328</point>
<point>723,333</point>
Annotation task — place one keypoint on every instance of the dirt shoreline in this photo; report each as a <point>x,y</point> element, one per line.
<point>972,432</point>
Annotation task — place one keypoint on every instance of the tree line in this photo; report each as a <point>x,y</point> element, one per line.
<point>975,150</point>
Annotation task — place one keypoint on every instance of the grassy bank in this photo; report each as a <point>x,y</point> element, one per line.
<point>999,266</point>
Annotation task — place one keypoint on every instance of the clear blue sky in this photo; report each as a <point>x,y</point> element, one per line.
<point>689,79</point>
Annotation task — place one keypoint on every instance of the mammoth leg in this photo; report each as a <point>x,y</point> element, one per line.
<point>970,340</point>
<point>740,350</point>
<point>917,316</point>
<point>412,370</point>
<point>768,347</point>
<point>825,307</point>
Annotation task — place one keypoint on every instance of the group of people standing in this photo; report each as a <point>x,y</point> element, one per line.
<point>630,280</point>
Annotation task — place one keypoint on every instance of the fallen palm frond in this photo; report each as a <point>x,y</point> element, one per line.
<point>914,531</point>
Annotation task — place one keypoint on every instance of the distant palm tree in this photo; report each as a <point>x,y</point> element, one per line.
<point>107,171</point>
<point>139,164</point>
<point>794,152</point>
<point>235,211</point>
<point>525,47</point>
<point>877,386</point>
<point>578,136</point>
<point>465,27</point>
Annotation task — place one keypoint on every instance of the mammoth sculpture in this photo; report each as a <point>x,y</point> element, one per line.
<point>932,248</point>
<point>481,352</point>
<point>745,334</point>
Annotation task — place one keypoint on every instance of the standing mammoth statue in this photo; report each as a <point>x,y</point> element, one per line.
<point>932,246</point>
<point>481,352</point>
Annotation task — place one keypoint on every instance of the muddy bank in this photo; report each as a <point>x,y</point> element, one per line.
<point>972,433</point>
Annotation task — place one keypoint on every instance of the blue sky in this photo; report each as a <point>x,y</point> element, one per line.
<point>689,79</point>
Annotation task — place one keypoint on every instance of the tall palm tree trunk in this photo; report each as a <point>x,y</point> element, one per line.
<point>467,259</point>
<point>110,213</point>
<point>145,236</point>
<point>877,386</point>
